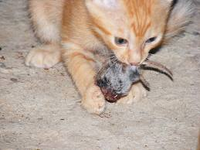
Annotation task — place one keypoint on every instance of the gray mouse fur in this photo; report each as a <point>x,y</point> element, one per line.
<point>116,79</point>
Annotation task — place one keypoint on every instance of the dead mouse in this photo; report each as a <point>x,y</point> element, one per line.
<point>115,78</point>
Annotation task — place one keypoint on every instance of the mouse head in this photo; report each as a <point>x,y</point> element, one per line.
<point>116,79</point>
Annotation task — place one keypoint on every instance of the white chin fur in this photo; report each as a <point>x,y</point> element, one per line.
<point>107,3</point>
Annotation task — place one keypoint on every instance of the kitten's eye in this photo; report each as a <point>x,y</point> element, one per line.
<point>152,39</point>
<point>120,41</point>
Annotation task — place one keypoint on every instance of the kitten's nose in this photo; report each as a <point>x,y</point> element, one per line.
<point>135,58</point>
<point>135,63</point>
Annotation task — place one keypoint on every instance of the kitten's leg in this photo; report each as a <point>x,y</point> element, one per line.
<point>81,67</point>
<point>46,16</point>
<point>136,93</point>
<point>44,56</point>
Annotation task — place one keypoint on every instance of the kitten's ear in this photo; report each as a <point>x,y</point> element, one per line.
<point>109,4</point>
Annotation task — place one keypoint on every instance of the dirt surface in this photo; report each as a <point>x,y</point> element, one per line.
<point>40,109</point>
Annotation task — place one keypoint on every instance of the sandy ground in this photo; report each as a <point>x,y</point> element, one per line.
<point>40,109</point>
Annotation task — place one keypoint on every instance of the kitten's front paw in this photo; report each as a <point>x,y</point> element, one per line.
<point>136,93</point>
<point>93,100</point>
<point>43,57</point>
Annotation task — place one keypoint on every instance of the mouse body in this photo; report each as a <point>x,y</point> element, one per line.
<point>115,80</point>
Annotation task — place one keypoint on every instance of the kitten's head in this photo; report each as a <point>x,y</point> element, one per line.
<point>130,28</point>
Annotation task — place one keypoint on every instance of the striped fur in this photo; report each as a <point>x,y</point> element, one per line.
<point>82,31</point>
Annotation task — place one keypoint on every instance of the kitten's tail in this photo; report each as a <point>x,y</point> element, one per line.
<point>180,17</point>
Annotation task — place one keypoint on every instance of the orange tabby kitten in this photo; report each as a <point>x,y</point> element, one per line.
<point>76,30</point>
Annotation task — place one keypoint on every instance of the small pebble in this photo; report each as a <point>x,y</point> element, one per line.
<point>14,80</point>
<point>2,58</point>
<point>2,65</point>
<point>40,118</point>
<point>196,33</point>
